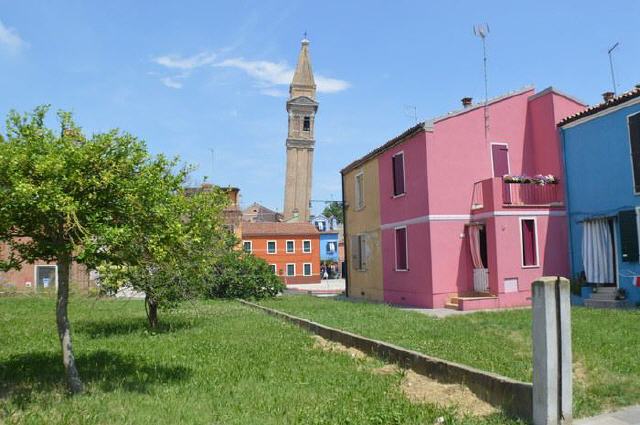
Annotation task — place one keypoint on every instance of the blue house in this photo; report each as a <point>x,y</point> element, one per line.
<point>601,147</point>
<point>329,232</point>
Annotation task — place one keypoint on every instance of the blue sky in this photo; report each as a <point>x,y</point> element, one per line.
<point>191,76</point>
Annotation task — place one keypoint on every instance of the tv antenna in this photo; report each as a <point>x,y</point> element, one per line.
<point>213,157</point>
<point>482,31</point>
<point>613,75</point>
<point>410,111</point>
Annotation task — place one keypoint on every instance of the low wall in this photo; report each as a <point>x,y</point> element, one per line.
<point>515,398</point>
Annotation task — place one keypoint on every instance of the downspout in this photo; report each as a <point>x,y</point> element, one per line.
<point>566,200</point>
<point>344,236</point>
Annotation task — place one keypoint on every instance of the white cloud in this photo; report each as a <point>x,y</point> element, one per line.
<point>10,38</point>
<point>171,82</point>
<point>268,74</point>
<point>185,63</point>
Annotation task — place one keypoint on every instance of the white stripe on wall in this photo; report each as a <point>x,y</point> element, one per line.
<point>468,217</point>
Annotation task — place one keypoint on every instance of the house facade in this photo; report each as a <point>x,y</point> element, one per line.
<point>362,234</point>
<point>329,238</point>
<point>601,148</point>
<point>292,250</point>
<point>469,210</point>
<point>43,276</point>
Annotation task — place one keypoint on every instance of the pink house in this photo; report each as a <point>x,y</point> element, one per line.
<point>461,226</point>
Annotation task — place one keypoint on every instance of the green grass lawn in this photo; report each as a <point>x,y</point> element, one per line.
<point>212,363</point>
<point>606,343</point>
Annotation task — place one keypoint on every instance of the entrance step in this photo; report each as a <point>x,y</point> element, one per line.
<point>600,303</point>
<point>603,295</point>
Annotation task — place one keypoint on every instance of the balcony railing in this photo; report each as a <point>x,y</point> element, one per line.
<point>530,194</point>
<point>494,193</point>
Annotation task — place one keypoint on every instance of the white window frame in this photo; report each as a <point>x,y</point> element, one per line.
<point>310,269</point>
<point>406,247</point>
<point>393,176</point>
<point>250,246</point>
<point>35,274</point>
<point>287,269</point>
<point>359,190</point>
<point>275,268</point>
<point>508,156</point>
<point>535,233</point>
<point>275,244</point>
<point>286,246</point>
<point>310,246</point>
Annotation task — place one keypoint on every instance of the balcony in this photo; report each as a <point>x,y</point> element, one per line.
<point>494,193</point>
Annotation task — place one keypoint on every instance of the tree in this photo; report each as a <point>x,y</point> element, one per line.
<point>67,198</point>
<point>175,266</point>
<point>334,208</point>
<point>238,274</point>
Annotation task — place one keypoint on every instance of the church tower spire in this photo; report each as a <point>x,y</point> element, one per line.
<point>302,108</point>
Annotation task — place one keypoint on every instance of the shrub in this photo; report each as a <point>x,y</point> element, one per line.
<point>241,275</point>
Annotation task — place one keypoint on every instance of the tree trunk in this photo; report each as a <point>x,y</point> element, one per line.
<point>152,311</point>
<point>64,329</point>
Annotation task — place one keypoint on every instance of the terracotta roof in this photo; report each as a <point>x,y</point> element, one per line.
<point>624,97</point>
<point>391,143</point>
<point>278,229</point>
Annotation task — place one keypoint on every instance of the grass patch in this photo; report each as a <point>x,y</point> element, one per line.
<point>212,363</point>
<point>605,342</point>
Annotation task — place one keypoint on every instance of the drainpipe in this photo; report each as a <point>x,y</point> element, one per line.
<point>566,199</point>
<point>344,235</point>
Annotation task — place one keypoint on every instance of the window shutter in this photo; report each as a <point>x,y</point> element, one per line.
<point>362,253</point>
<point>355,251</point>
<point>398,174</point>
<point>401,249</point>
<point>634,139</point>
<point>628,235</point>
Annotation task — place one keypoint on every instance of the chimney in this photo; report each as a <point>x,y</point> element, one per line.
<point>466,102</point>
<point>608,95</point>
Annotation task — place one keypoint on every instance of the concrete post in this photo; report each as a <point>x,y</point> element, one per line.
<point>552,363</point>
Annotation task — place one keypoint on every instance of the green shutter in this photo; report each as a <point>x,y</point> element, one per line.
<point>628,235</point>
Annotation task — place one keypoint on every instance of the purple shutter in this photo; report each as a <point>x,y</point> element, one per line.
<point>398,174</point>
<point>401,249</point>
<point>500,154</point>
<point>529,243</point>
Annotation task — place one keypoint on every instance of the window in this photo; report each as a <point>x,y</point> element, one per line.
<point>273,268</point>
<point>271,247</point>
<point>307,269</point>
<point>397,164</point>
<point>634,140</point>
<point>529,241</point>
<point>358,252</point>
<point>359,190</point>
<point>247,246</point>
<point>306,124</point>
<point>401,249</point>
<point>306,246</point>
<point>331,247</point>
<point>291,269</point>
<point>320,225</point>
<point>291,247</point>
<point>628,222</point>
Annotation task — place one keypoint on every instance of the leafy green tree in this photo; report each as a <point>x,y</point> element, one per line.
<point>69,198</point>
<point>241,275</point>
<point>175,267</point>
<point>334,208</point>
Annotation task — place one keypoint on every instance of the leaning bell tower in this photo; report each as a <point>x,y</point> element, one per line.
<point>301,107</point>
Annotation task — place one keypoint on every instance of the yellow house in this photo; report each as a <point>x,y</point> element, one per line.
<point>362,230</point>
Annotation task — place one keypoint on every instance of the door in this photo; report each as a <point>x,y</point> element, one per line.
<point>45,277</point>
<point>500,157</point>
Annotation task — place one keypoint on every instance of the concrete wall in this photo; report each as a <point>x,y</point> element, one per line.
<point>600,182</point>
<point>365,284</point>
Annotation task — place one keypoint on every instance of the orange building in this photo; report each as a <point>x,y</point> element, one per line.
<point>291,249</point>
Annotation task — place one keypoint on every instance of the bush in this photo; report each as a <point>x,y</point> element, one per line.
<point>241,275</point>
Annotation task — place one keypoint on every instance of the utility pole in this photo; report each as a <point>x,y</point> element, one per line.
<point>482,31</point>
<point>613,75</point>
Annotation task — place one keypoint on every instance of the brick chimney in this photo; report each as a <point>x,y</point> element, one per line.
<point>608,95</point>
<point>466,102</point>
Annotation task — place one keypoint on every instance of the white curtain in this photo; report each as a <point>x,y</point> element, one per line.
<point>597,251</point>
<point>474,245</point>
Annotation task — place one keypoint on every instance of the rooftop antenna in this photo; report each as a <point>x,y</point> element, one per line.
<point>411,112</point>
<point>613,75</point>
<point>482,31</point>
<point>213,157</point>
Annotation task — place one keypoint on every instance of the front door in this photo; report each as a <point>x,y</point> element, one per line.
<point>45,277</point>
<point>500,156</point>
